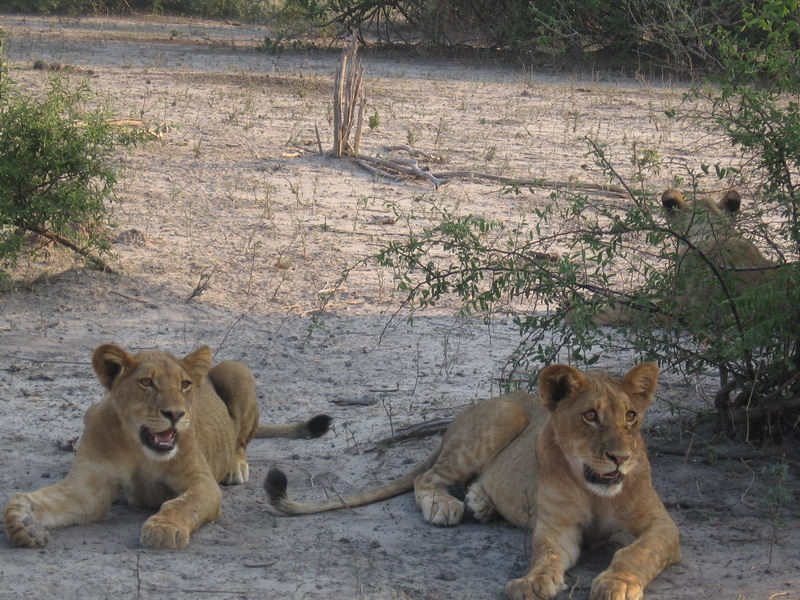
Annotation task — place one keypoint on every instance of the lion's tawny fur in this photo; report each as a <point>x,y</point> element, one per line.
<point>168,431</point>
<point>570,466</point>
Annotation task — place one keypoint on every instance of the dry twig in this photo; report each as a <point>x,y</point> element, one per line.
<point>417,431</point>
<point>348,103</point>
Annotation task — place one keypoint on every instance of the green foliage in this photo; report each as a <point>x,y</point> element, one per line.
<point>675,32</point>
<point>551,275</point>
<point>67,6</point>
<point>245,10</point>
<point>682,34</point>
<point>439,22</point>
<point>374,120</point>
<point>56,169</point>
<point>679,301</point>
<point>583,263</point>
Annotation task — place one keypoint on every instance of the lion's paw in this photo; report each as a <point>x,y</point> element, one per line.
<point>239,473</point>
<point>22,527</point>
<point>537,587</point>
<point>616,586</point>
<point>441,508</point>
<point>479,503</point>
<point>158,532</point>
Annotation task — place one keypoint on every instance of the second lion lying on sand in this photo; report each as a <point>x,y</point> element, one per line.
<point>569,466</point>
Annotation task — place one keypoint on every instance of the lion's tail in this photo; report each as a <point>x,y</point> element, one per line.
<point>275,484</point>
<point>313,428</point>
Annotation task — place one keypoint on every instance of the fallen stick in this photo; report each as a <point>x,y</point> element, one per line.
<point>379,166</point>
<point>402,166</point>
<point>375,171</point>
<point>418,431</point>
<point>547,183</point>
<point>414,152</point>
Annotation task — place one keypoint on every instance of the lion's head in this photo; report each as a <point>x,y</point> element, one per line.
<point>597,421</point>
<point>152,392</point>
<point>702,221</point>
<point>711,246</point>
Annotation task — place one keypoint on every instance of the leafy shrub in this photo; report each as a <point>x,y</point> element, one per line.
<point>678,33</point>
<point>57,169</point>
<point>581,258</point>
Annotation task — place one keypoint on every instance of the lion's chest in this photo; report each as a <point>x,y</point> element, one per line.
<point>604,524</point>
<point>146,487</point>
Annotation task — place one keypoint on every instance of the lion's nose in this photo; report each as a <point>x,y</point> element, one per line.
<point>617,459</point>
<point>173,415</point>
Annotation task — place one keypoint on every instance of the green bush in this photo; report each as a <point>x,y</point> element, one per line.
<point>681,34</point>
<point>675,301</point>
<point>57,169</point>
<point>677,33</point>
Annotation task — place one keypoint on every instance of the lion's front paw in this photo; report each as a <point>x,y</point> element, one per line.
<point>441,508</point>
<point>537,587</point>
<point>616,586</point>
<point>22,527</point>
<point>479,503</point>
<point>158,532</point>
<point>239,473</point>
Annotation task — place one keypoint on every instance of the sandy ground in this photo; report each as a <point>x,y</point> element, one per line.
<point>236,196</point>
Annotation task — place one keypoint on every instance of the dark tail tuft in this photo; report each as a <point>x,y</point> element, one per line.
<point>318,426</point>
<point>275,484</point>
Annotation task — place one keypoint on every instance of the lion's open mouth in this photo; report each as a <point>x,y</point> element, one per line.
<point>610,478</point>
<point>163,441</point>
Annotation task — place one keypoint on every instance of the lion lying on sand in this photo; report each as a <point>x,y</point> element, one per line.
<point>167,433</point>
<point>569,466</point>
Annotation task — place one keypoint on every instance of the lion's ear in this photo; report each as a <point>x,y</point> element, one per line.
<point>641,381</point>
<point>557,382</point>
<point>672,200</point>
<point>109,362</point>
<point>198,362</point>
<point>731,202</point>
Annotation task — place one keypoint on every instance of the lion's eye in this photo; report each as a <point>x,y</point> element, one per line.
<point>590,416</point>
<point>146,382</point>
<point>630,416</point>
<point>185,385</point>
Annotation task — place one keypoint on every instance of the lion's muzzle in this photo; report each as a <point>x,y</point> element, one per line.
<point>161,442</point>
<point>611,478</point>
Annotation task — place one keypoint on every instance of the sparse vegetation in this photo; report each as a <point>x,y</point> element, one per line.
<point>56,170</point>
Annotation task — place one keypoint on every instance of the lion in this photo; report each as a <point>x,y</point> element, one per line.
<point>168,431</point>
<point>570,466</point>
<point>711,246</point>
<point>717,272</point>
<point>722,281</point>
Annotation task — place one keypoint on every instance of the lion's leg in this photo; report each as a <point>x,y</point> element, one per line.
<point>656,547</point>
<point>472,440</point>
<point>235,385</point>
<point>172,525</point>
<point>240,470</point>
<point>555,548</point>
<point>80,498</point>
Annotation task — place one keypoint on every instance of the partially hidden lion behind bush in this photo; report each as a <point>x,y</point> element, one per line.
<point>717,274</point>
<point>570,466</point>
<point>711,245</point>
<point>168,431</point>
